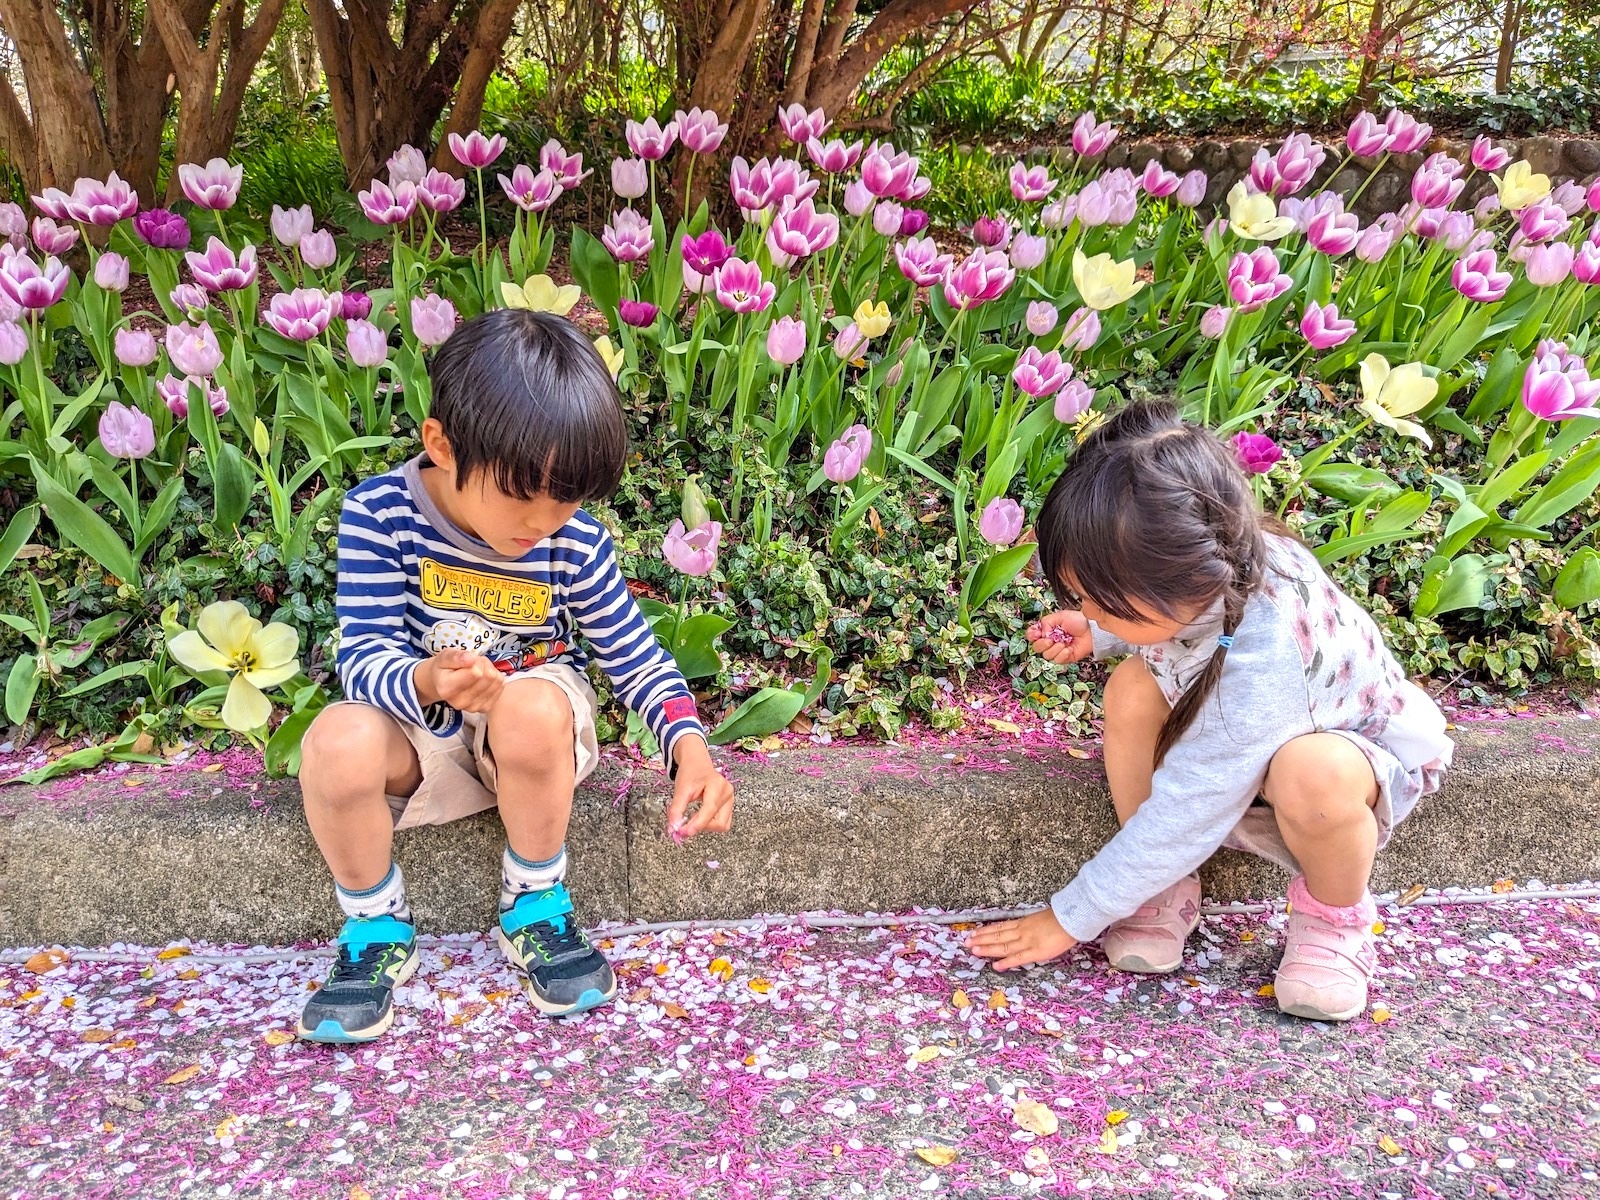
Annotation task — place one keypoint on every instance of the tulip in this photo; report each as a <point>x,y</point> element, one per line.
<point>628,236</point>
<point>1028,251</point>
<point>849,342</point>
<point>217,270</point>
<point>407,165</point>
<point>214,186</point>
<point>1157,181</point>
<point>1042,317</point>
<point>1486,156</point>
<point>982,276</point>
<point>365,344</point>
<point>433,319</point>
<point>740,287</point>
<point>858,201</point>
<point>1568,197</point>
<point>1521,186</point>
<point>1073,400</point>
<point>1192,189</point>
<point>175,392</point>
<point>1368,136</point>
<point>291,225</point>
<point>786,341</point>
<point>921,262</point>
<point>834,156</point>
<point>475,151</point>
<point>299,315</point>
<point>1549,265</point>
<point>873,320</point>
<point>1556,386</point>
<point>1255,279</point>
<point>539,293</point>
<point>630,177</point>
<point>126,432</point>
<point>1030,185</point>
<point>1586,263</point>
<point>52,238</point>
<point>318,250</point>
<point>1334,233</point>
<point>1081,331</point>
<point>640,314</point>
<point>232,642</point>
<point>111,272</point>
<point>1254,217</point>
<point>693,551</point>
<point>649,140</point>
<point>912,222</point>
<point>1214,322</point>
<point>844,459</point>
<point>54,203</point>
<point>190,299</point>
<point>102,203</point>
<point>886,172</point>
<point>14,343</point>
<point>1090,139</point>
<point>1390,394</point>
<point>1103,283</point>
<point>1257,453</point>
<point>1434,186</point>
<point>33,285</point>
<point>1375,242</point>
<point>441,192</point>
<point>193,349</point>
<point>383,205</point>
<point>1001,521</point>
<point>135,347</point>
<point>1324,328</point>
<point>800,126</point>
<point>1406,133</point>
<point>1040,375</point>
<point>699,130</point>
<point>1290,169</point>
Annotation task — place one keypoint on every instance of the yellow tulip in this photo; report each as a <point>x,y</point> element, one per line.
<point>873,321</point>
<point>1101,282</point>
<point>1254,216</point>
<point>234,643</point>
<point>613,355</point>
<point>540,294</point>
<point>1520,186</point>
<point>1392,393</point>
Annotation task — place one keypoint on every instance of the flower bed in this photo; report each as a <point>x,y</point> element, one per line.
<point>848,419</point>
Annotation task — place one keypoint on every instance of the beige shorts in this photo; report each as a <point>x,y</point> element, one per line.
<point>458,772</point>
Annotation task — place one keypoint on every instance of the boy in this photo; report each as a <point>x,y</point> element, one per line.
<point>464,578</point>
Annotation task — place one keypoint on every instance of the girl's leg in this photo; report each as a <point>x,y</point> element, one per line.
<point>1322,791</point>
<point>1135,710</point>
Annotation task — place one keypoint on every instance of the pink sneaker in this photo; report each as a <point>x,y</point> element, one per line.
<point>1329,957</point>
<point>1151,941</point>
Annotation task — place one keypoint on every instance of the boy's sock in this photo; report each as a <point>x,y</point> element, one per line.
<point>518,876</point>
<point>388,898</point>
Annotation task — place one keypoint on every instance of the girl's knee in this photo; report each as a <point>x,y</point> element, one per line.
<point>1320,779</point>
<point>531,717</point>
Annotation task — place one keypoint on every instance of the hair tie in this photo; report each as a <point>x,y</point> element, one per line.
<point>1225,641</point>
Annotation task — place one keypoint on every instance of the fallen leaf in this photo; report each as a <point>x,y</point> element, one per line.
<point>939,1156</point>
<point>1388,1145</point>
<point>1108,1142</point>
<point>926,1054</point>
<point>1002,726</point>
<point>1412,894</point>
<point>1267,990</point>
<point>46,961</point>
<point>960,999</point>
<point>278,1037</point>
<point>97,1035</point>
<point>1501,886</point>
<point>997,1000</point>
<point>1380,1015</point>
<point>761,986</point>
<point>675,1010</point>
<point>1036,1118</point>
<point>182,1075</point>
<point>172,952</point>
<point>1116,1116</point>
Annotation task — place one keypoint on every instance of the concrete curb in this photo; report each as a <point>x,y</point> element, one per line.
<point>157,856</point>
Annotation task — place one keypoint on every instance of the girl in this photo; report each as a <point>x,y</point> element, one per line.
<point>1257,707</point>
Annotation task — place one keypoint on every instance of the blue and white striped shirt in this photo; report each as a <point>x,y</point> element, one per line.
<point>411,584</point>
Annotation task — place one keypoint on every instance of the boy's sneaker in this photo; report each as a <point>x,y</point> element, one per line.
<point>355,1004</point>
<point>562,973</point>
<point>1150,942</point>
<point>1328,957</point>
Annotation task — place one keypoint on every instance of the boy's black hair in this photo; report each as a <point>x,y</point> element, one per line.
<point>526,397</point>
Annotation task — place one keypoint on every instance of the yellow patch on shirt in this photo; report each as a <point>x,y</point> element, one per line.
<point>504,600</point>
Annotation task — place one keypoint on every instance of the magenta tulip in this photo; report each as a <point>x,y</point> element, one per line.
<point>699,130</point>
<point>217,270</point>
<point>32,285</point>
<point>649,140</point>
<point>800,126</point>
<point>786,341</point>
<point>692,551</point>
<point>1255,279</point>
<point>1324,328</point>
<point>1030,185</point>
<point>1257,453</point>
<point>103,203</point>
<point>365,344</point>
<point>475,151</point>
<point>1090,139</point>
<point>740,287</point>
<point>193,348</point>
<point>135,347</point>
<point>1001,521</point>
<point>1477,278</point>
<point>214,186</point>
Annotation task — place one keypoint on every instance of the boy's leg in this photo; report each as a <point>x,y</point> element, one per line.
<point>532,732</point>
<point>1322,790</point>
<point>1151,940</point>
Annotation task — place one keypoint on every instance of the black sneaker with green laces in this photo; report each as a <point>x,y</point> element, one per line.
<point>562,973</point>
<point>355,1003</point>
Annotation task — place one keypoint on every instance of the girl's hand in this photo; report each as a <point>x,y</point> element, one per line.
<point>1062,637</point>
<point>1033,939</point>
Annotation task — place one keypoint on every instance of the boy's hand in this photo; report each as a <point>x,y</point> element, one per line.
<point>1062,637</point>
<point>1032,939</point>
<point>459,678</point>
<point>698,779</point>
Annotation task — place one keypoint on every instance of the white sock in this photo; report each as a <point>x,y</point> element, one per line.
<point>518,876</point>
<point>388,898</point>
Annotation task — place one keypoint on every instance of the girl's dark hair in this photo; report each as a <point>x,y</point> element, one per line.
<point>1155,513</point>
<point>526,397</point>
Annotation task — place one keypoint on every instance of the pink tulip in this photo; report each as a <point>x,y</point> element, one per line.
<point>1557,387</point>
<point>365,344</point>
<point>1324,328</point>
<point>54,203</point>
<point>318,250</point>
<point>567,168</point>
<point>1368,136</point>
<point>628,237</point>
<point>135,347</point>
<point>13,343</point>
<point>33,285</point>
<point>433,319</point>
<point>1090,139</point>
<point>175,393</point>
<point>692,551</point>
<point>1569,197</point>
<point>630,177</point>
<point>699,130</point>
<point>1586,263</point>
<point>982,276</point>
<point>214,186</point>
<point>1486,156</point>
<point>1001,521</point>
<point>1073,400</point>
<point>786,341</point>
<point>1257,453</point>
<point>440,191</point>
<point>921,262</point>
<point>1549,265</point>
<point>1042,317</point>
<point>849,342</point>
<point>1192,190</point>
<point>886,217</point>
<point>640,314</point>
<point>740,287</point>
<point>1434,186</point>
<point>407,165</point>
<point>1081,331</point>
<point>1334,233</point>
<point>1375,242</point>
<point>844,459</point>
<point>111,272</point>
<point>651,141</point>
<point>800,126</point>
<point>102,203</point>
<point>52,238</point>
<point>126,432</point>
<point>992,233</point>
<point>1157,181</point>
<point>217,270</point>
<point>190,299</point>
<point>299,315</point>
<point>1406,133</point>
<point>1030,185</point>
<point>1290,169</point>
<point>1040,375</point>
<point>475,151</point>
<point>193,349</point>
<point>887,172</point>
<point>1214,322</point>
<point>800,231</point>
<point>383,205</point>
<point>291,225</point>
<point>1477,277</point>
<point>1255,279</point>
<point>834,156</point>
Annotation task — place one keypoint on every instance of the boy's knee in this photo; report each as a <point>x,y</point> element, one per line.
<point>1319,780</point>
<point>531,717</point>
